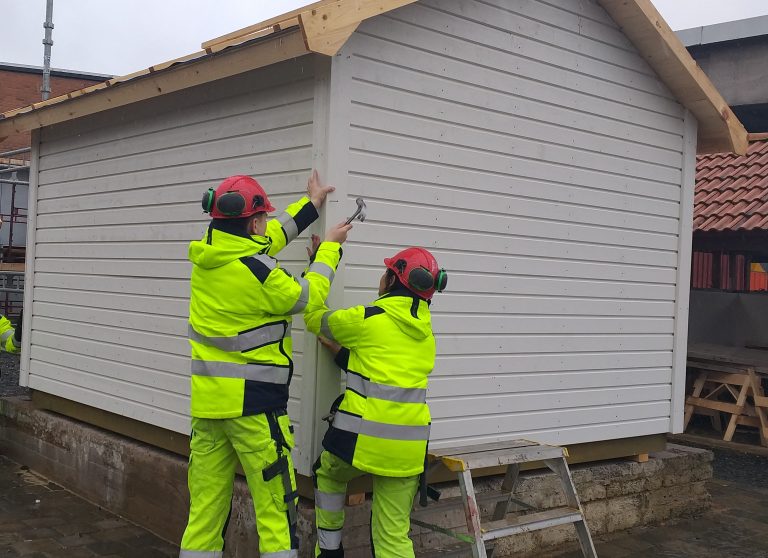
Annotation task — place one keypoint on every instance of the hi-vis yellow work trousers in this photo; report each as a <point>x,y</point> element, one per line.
<point>262,443</point>
<point>390,509</point>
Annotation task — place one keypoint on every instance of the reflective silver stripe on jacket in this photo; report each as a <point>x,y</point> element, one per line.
<point>257,372</point>
<point>328,540</point>
<point>325,329</point>
<point>267,260</point>
<point>386,392</point>
<point>243,341</point>
<point>289,225</point>
<point>5,335</point>
<point>303,297</point>
<point>16,344</point>
<point>280,554</point>
<point>201,554</point>
<point>330,501</point>
<point>322,269</point>
<point>358,425</point>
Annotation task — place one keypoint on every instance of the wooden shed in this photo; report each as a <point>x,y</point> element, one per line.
<point>543,150</point>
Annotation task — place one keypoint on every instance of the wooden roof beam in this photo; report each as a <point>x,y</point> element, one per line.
<point>719,128</point>
<point>154,84</point>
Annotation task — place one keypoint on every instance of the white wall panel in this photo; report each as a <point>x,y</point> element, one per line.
<point>530,146</point>
<point>118,200</point>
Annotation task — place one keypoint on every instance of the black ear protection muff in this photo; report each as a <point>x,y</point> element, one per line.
<point>230,204</point>
<point>441,281</point>
<point>208,199</point>
<point>422,280</point>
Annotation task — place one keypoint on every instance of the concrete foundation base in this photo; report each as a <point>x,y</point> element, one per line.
<point>148,486</point>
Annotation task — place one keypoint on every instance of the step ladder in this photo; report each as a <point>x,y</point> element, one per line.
<point>511,454</point>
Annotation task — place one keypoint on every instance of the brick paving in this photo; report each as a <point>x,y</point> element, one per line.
<point>40,519</point>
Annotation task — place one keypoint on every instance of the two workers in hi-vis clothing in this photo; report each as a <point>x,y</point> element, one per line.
<point>241,305</point>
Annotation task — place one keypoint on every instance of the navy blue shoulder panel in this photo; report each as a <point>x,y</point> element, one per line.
<point>259,269</point>
<point>371,311</point>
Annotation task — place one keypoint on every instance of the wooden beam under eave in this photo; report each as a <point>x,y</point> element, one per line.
<point>719,128</point>
<point>327,27</point>
<point>210,68</point>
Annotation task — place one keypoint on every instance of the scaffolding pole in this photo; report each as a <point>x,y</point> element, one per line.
<point>48,43</point>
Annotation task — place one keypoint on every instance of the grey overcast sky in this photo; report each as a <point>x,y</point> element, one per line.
<point>121,36</point>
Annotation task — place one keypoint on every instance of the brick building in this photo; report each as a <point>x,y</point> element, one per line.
<point>20,86</point>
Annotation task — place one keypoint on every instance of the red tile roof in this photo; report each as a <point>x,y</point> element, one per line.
<point>732,191</point>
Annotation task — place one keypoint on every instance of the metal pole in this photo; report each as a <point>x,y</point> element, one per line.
<point>15,152</point>
<point>48,42</point>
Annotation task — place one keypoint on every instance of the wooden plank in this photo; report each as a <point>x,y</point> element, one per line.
<point>719,128</point>
<point>268,23</point>
<point>732,408</point>
<point>758,137</point>
<point>327,27</point>
<point>11,266</point>
<point>479,448</point>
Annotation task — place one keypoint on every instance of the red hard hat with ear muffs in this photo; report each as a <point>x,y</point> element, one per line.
<point>417,270</point>
<point>237,196</point>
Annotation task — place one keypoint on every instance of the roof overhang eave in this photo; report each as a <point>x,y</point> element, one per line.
<point>189,71</point>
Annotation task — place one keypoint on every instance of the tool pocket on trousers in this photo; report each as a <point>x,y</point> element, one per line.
<point>201,441</point>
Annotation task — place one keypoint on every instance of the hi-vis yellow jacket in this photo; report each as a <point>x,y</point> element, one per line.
<point>382,424</point>
<point>240,315</point>
<point>7,338</point>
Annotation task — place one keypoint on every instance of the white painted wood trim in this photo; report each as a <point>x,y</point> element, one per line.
<point>29,268</point>
<point>683,273</point>
<point>309,413</point>
<point>336,143</point>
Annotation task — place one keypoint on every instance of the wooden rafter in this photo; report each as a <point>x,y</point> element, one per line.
<point>719,128</point>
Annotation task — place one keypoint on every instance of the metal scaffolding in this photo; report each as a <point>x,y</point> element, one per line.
<point>14,172</point>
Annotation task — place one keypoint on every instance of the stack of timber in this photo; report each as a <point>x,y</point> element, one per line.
<point>728,382</point>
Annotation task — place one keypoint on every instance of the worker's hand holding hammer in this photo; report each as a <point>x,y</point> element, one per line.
<point>337,233</point>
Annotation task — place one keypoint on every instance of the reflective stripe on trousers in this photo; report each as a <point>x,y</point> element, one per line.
<point>257,337</point>
<point>201,554</point>
<point>358,425</point>
<point>329,539</point>
<point>282,554</point>
<point>328,501</point>
<point>366,387</point>
<point>255,372</point>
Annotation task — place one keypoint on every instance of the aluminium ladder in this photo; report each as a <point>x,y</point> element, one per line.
<point>511,454</point>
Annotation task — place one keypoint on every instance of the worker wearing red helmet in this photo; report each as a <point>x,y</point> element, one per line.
<point>240,313</point>
<point>381,426</point>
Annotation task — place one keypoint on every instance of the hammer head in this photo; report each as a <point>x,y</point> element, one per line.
<point>359,213</point>
<point>361,209</point>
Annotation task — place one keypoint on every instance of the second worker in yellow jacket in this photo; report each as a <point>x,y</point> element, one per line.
<point>381,425</point>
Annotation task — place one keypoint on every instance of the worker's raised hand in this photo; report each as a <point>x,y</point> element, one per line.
<point>316,190</point>
<point>338,233</point>
<point>331,346</point>
<point>315,241</point>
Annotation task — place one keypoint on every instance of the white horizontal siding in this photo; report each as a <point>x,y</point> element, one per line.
<point>532,149</point>
<point>118,201</point>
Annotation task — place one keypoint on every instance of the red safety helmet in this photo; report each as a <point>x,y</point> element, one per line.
<point>417,270</point>
<point>237,196</point>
